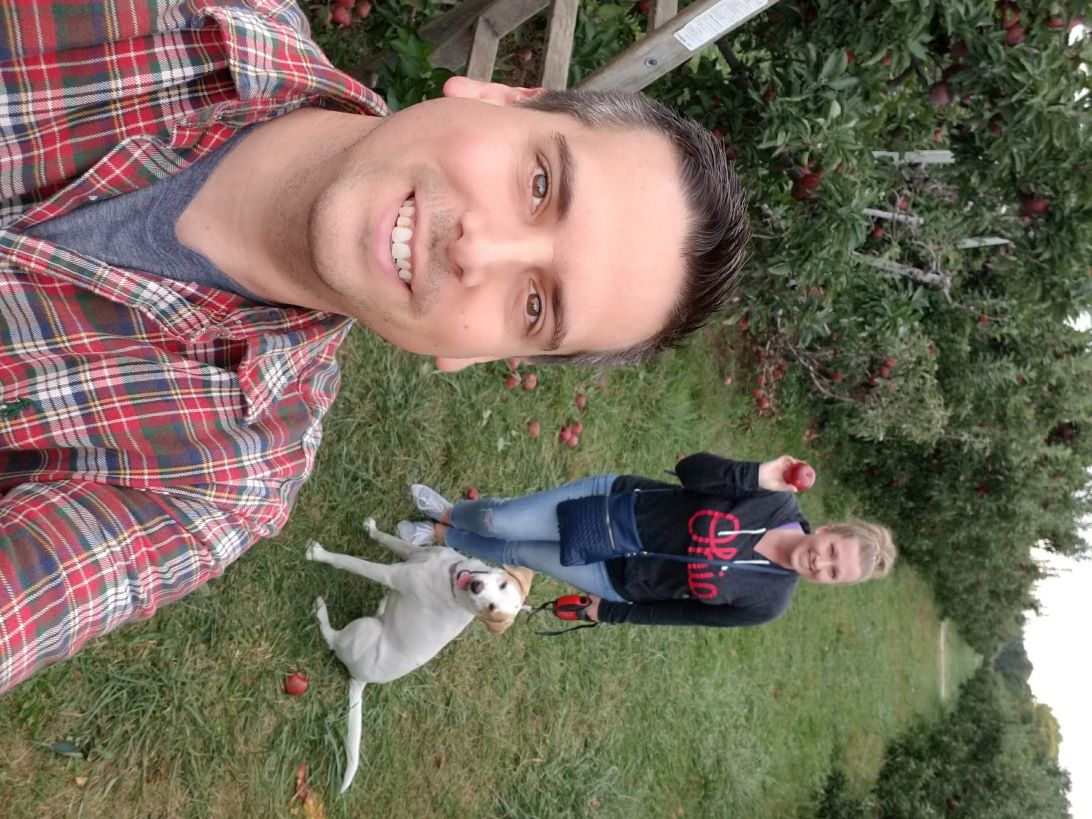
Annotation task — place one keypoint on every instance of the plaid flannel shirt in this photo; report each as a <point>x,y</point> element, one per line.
<point>150,430</point>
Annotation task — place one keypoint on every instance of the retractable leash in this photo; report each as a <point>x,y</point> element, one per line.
<point>566,607</point>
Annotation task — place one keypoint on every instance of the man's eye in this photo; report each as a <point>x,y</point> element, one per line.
<point>540,187</point>
<point>533,307</point>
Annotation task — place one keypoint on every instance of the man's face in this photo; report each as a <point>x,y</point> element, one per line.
<point>529,234</point>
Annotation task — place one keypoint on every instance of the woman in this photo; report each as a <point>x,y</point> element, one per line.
<point>725,548</point>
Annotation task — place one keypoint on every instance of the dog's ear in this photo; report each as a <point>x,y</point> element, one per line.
<point>523,578</point>
<point>497,624</point>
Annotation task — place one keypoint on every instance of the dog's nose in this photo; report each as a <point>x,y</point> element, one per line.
<point>476,586</point>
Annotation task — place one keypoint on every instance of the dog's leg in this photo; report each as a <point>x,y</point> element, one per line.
<point>397,545</point>
<point>329,634</point>
<point>379,572</point>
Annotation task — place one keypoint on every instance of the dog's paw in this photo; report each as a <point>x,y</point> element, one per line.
<point>370,527</point>
<point>318,606</point>
<point>314,551</point>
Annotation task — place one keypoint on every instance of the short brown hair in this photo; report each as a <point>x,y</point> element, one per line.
<point>714,247</point>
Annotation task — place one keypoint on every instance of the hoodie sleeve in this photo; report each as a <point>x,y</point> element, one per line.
<point>713,475</point>
<point>690,613</point>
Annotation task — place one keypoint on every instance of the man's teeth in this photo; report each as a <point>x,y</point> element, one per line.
<point>401,236</point>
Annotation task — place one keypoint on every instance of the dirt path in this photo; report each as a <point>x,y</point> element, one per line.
<point>942,664</point>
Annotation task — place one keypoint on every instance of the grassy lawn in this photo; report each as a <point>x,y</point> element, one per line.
<point>183,715</point>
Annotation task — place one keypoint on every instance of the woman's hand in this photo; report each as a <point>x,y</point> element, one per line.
<point>592,610</point>
<point>771,475</point>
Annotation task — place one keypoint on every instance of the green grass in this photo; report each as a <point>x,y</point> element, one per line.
<point>182,716</point>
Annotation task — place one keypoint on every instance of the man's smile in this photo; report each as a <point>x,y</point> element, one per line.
<point>401,238</point>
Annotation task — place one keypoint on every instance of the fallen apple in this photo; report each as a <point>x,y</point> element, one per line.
<point>295,684</point>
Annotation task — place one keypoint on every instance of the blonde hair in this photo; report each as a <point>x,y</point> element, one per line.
<point>878,551</point>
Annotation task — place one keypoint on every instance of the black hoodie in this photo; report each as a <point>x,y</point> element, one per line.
<point>717,498</point>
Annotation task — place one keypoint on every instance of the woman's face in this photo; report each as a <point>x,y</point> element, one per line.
<point>827,557</point>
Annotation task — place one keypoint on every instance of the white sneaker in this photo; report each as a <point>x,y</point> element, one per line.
<point>416,532</point>
<point>429,501</point>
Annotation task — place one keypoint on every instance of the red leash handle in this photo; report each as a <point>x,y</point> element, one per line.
<point>566,607</point>
<point>571,607</point>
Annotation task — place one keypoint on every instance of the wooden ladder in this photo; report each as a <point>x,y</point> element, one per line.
<point>470,33</point>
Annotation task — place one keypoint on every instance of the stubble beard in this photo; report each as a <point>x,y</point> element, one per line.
<point>427,283</point>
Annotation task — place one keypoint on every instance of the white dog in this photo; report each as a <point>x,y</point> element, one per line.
<point>433,596</point>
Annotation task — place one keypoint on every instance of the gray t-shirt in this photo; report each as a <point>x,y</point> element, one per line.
<point>137,230</point>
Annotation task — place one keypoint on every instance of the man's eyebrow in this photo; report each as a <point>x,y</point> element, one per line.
<point>564,189</point>
<point>558,307</point>
<point>567,174</point>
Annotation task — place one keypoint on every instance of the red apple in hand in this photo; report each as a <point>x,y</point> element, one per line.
<point>800,475</point>
<point>295,684</point>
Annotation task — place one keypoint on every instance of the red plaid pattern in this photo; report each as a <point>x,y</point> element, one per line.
<point>150,431</point>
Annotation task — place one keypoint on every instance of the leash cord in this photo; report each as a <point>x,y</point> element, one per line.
<point>565,611</point>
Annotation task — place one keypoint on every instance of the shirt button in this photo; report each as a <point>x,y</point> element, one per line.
<point>93,197</point>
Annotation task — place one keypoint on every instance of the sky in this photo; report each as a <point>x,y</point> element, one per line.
<point>1057,644</point>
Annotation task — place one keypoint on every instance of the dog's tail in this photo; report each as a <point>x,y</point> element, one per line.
<point>352,733</point>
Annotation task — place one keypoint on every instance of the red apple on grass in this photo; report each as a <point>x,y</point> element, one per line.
<point>342,16</point>
<point>295,684</point>
<point>800,475</point>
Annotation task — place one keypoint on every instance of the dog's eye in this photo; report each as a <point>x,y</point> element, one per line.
<point>504,585</point>
<point>492,607</point>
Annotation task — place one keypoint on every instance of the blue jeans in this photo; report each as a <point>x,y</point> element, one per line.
<point>524,532</point>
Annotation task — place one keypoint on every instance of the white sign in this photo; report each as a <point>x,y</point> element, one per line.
<point>712,23</point>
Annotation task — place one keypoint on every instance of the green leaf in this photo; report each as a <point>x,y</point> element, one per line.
<point>835,63</point>
<point>610,11</point>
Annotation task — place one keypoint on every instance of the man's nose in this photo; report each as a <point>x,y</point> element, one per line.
<point>488,247</point>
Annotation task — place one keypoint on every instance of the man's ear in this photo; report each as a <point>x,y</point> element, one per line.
<point>493,93</point>
<point>453,365</point>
